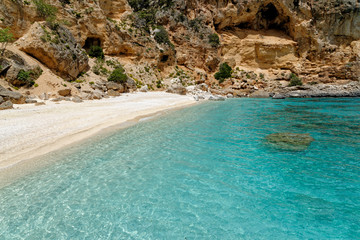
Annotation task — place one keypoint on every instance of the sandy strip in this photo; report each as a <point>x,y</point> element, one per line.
<point>30,131</point>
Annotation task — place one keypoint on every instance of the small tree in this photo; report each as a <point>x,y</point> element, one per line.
<point>294,80</point>
<point>118,75</point>
<point>5,37</point>
<point>223,73</point>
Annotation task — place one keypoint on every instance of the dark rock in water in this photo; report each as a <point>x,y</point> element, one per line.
<point>290,141</point>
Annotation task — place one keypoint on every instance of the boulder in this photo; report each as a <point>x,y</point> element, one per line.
<point>113,93</point>
<point>278,96</point>
<point>55,47</point>
<point>260,94</point>
<point>144,89</point>
<point>76,99</point>
<point>290,141</point>
<point>44,96</point>
<point>29,100</point>
<point>1,99</point>
<point>39,103</point>
<point>216,98</point>
<point>12,63</point>
<point>6,105</point>
<point>131,84</point>
<point>115,87</point>
<point>177,89</point>
<point>65,92</point>
<point>14,97</point>
<point>60,99</point>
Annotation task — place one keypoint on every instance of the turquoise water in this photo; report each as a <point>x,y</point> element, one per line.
<point>204,172</point>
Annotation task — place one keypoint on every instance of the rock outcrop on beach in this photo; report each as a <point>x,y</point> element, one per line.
<point>8,97</point>
<point>56,48</point>
<point>267,44</point>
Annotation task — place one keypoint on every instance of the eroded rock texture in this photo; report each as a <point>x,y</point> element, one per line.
<point>319,41</point>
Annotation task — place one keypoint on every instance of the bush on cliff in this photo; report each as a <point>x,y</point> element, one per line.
<point>223,73</point>
<point>162,37</point>
<point>45,10</point>
<point>118,75</point>
<point>294,80</point>
<point>96,52</point>
<point>214,40</point>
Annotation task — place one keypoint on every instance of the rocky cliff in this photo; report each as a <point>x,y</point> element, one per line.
<point>267,43</point>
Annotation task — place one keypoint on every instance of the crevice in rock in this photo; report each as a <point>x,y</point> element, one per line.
<point>91,41</point>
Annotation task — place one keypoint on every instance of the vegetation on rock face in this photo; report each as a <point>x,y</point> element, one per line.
<point>223,73</point>
<point>118,75</point>
<point>139,5</point>
<point>27,78</point>
<point>5,37</point>
<point>96,52</point>
<point>294,80</point>
<point>214,40</point>
<point>45,10</point>
<point>23,75</point>
<point>99,68</point>
<point>162,37</point>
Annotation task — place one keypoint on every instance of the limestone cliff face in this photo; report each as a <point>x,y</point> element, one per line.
<point>317,40</point>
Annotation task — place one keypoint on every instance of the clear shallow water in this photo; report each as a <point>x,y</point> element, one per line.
<point>203,172</point>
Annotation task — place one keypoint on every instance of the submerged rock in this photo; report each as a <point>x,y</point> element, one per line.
<point>290,141</point>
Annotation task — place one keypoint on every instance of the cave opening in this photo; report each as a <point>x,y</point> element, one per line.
<point>164,58</point>
<point>268,17</point>
<point>269,12</point>
<point>91,41</point>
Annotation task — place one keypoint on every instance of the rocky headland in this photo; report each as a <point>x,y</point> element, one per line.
<point>82,50</point>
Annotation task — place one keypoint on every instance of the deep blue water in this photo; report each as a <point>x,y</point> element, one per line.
<point>204,172</point>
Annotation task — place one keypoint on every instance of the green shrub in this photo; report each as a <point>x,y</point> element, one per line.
<point>25,77</point>
<point>294,80</point>
<point>223,73</point>
<point>138,5</point>
<point>45,10</point>
<point>214,40</point>
<point>99,67</point>
<point>195,24</point>
<point>96,52</point>
<point>5,37</point>
<point>118,76</point>
<point>162,37</point>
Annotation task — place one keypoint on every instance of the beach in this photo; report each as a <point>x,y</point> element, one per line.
<point>29,131</point>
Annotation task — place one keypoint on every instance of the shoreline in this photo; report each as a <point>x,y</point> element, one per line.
<point>53,134</point>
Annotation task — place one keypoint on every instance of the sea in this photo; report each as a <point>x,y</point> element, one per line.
<point>202,172</point>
